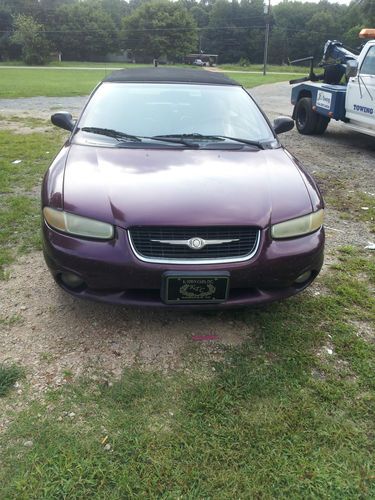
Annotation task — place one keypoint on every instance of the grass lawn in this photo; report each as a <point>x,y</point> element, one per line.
<point>50,83</point>
<point>19,201</point>
<point>249,81</point>
<point>65,64</point>
<point>270,68</point>
<point>288,414</point>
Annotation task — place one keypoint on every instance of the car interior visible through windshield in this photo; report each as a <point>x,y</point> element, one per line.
<point>159,109</point>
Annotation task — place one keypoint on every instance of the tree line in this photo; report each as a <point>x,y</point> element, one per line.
<point>87,30</point>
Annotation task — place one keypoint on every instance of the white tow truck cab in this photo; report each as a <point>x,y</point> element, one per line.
<point>353,103</point>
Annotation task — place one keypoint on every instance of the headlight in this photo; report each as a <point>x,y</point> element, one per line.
<point>298,227</point>
<point>77,225</point>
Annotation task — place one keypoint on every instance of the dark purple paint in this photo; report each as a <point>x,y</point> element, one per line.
<point>128,187</point>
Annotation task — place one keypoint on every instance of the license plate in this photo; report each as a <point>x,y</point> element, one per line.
<point>195,288</point>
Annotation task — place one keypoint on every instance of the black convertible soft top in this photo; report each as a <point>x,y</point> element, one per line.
<point>169,75</point>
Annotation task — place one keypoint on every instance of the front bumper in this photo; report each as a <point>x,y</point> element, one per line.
<point>113,274</point>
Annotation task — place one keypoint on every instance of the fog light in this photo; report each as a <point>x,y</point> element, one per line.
<point>72,280</point>
<point>303,277</point>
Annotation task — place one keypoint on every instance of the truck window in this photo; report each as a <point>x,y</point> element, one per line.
<point>368,66</point>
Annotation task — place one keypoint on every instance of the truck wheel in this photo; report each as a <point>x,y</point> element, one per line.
<point>321,124</point>
<point>306,118</point>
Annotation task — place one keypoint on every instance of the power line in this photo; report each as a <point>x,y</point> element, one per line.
<point>208,28</point>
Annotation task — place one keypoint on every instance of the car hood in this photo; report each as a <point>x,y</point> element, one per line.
<point>131,187</point>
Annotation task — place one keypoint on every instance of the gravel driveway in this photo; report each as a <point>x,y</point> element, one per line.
<point>59,338</point>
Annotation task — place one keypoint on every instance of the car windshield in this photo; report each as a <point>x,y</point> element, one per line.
<point>153,109</point>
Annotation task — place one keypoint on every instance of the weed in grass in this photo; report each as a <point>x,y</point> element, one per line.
<point>10,320</point>
<point>67,374</point>
<point>47,357</point>
<point>9,374</point>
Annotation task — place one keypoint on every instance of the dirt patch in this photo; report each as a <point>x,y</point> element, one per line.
<point>57,334</point>
<point>364,330</point>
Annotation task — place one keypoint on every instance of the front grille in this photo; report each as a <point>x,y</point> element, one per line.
<point>148,250</point>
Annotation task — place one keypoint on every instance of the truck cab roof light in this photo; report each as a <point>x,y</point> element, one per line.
<point>367,33</point>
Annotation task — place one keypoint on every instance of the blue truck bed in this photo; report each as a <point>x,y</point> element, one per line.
<point>329,100</point>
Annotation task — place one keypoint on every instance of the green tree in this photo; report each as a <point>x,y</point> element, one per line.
<point>236,30</point>
<point>367,9</point>
<point>117,9</point>
<point>84,31</point>
<point>301,29</point>
<point>160,28</point>
<point>30,36</point>
<point>26,7</point>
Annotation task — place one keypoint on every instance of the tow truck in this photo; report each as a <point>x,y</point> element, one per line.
<point>345,91</point>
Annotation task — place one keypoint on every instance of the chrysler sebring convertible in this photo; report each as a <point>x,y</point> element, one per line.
<point>174,191</point>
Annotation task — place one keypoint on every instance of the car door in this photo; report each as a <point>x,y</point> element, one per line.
<point>360,95</point>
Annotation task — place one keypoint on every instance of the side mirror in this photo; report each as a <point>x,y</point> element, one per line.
<point>63,120</point>
<point>351,68</point>
<point>283,124</point>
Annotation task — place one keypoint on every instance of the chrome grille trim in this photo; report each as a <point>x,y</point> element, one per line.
<point>222,260</point>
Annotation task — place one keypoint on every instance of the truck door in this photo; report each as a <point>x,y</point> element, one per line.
<point>360,94</point>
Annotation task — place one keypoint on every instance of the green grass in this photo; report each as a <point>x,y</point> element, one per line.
<point>60,83</point>
<point>250,81</point>
<point>277,418</point>
<point>270,68</point>
<point>87,64</point>
<point>9,374</point>
<point>49,83</point>
<point>352,204</point>
<point>19,204</point>
<point>75,64</point>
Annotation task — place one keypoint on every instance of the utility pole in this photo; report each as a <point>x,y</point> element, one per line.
<point>267,12</point>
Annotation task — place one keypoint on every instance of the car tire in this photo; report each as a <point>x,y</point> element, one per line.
<point>306,118</point>
<point>321,124</point>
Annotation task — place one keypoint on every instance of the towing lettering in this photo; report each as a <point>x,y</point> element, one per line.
<point>363,109</point>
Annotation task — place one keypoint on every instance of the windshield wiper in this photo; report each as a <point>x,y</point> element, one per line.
<point>184,138</point>
<point>116,134</point>
<point>201,137</point>
<point>176,138</point>
<point>257,144</point>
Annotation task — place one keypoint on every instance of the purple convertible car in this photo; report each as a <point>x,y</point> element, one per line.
<point>173,190</point>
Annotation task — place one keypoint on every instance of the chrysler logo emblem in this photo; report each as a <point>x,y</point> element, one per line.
<point>196,243</point>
